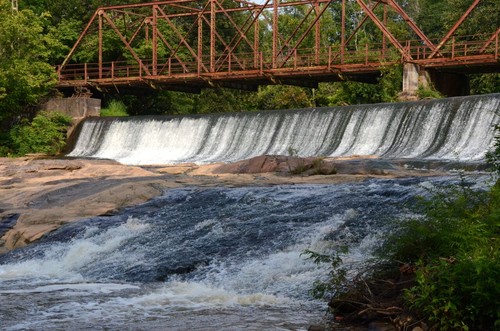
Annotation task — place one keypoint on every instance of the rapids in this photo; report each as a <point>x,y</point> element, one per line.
<point>200,258</point>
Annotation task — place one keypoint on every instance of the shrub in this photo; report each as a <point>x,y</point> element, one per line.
<point>428,93</point>
<point>115,108</point>
<point>455,252</point>
<point>493,156</point>
<point>45,134</point>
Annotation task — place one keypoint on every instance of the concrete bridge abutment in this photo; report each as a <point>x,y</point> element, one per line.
<point>77,108</point>
<point>449,84</point>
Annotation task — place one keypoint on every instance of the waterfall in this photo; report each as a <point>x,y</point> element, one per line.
<point>448,129</point>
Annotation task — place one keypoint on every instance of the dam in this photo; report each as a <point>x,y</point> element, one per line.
<point>459,129</point>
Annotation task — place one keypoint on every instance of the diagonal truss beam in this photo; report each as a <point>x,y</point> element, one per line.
<point>492,39</point>
<point>384,30</point>
<point>411,24</point>
<point>454,28</point>
<point>125,42</point>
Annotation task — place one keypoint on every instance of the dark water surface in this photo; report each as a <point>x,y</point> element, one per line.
<point>200,258</point>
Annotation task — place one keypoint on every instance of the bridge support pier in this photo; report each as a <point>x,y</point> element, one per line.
<point>77,108</point>
<point>449,84</point>
<point>413,77</point>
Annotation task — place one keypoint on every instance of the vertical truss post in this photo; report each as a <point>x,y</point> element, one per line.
<point>317,35</point>
<point>275,32</point>
<point>453,48</point>
<point>342,34</point>
<point>212,35</point>
<point>384,39</point>
<point>256,40</point>
<point>200,43</point>
<point>154,40</point>
<point>496,46</point>
<point>100,43</point>
<point>366,54</point>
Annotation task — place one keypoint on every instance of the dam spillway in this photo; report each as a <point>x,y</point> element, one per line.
<point>458,129</point>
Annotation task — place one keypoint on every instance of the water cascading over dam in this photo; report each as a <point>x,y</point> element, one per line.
<point>448,129</point>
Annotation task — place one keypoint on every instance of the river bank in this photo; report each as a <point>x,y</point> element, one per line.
<point>40,194</point>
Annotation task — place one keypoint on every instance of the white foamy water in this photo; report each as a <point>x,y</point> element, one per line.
<point>198,259</point>
<point>449,129</point>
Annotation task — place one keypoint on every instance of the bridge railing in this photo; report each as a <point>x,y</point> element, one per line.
<point>227,63</point>
<point>350,58</point>
<point>457,47</point>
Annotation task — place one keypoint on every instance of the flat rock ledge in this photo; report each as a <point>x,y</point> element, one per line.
<point>38,195</point>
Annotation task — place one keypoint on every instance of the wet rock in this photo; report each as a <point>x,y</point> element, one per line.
<point>381,326</point>
<point>7,223</point>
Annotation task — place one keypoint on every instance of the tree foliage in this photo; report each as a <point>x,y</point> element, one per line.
<point>39,37</point>
<point>455,249</point>
<point>45,134</point>
<point>26,45</point>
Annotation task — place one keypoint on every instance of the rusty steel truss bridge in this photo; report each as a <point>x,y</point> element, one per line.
<point>187,45</point>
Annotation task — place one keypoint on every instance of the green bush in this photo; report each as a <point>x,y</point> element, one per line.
<point>455,250</point>
<point>115,108</point>
<point>493,156</point>
<point>428,93</point>
<point>45,134</point>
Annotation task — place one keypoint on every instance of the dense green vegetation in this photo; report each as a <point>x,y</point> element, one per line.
<point>451,258</point>
<point>114,108</point>
<point>39,36</point>
<point>455,250</point>
<point>46,134</point>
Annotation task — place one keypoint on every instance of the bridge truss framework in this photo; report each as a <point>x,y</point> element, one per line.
<point>187,45</point>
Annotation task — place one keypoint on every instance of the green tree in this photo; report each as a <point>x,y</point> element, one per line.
<point>25,47</point>
<point>283,97</point>
<point>45,134</point>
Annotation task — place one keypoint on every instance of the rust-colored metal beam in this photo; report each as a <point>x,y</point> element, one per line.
<point>489,41</point>
<point>454,28</point>
<point>124,41</point>
<point>411,23</point>
<point>275,31</point>
<point>155,40</point>
<point>384,30</point>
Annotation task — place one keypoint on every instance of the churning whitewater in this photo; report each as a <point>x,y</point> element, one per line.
<point>458,129</point>
<point>200,259</point>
